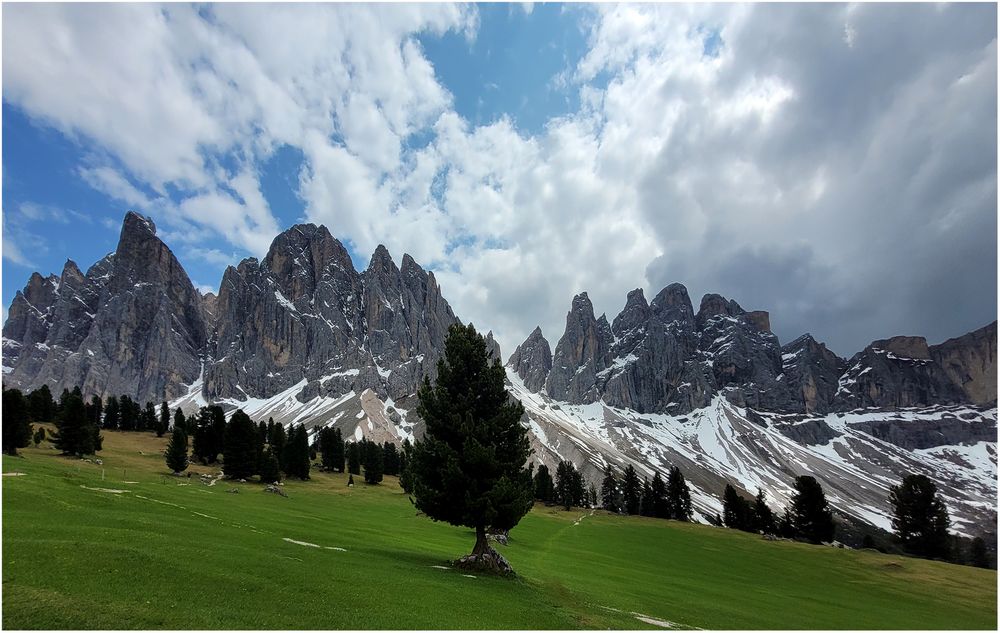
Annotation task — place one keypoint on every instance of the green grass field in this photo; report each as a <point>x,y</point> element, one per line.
<point>167,555</point>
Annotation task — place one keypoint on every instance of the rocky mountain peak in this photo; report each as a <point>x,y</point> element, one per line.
<point>532,360</point>
<point>135,223</point>
<point>673,304</point>
<point>635,313</point>
<point>904,347</point>
<point>381,262</point>
<point>971,363</point>
<point>714,305</point>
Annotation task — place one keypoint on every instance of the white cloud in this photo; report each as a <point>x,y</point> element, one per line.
<point>828,163</point>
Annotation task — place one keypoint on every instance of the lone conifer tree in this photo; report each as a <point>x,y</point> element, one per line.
<point>811,515</point>
<point>239,459</point>
<point>920,517</point>
<point>180,422</point>
<point>177,451</point>
<point>632,490</point>
<point>678,495</point>
<point>16,428</point>
<point>469,468</point>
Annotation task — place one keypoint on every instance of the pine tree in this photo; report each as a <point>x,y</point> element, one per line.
<point>390,459</point>
<point>978,554</point>
<point>180,422</point>
<point>763,517</point>
<point>811,515</point>
<point>610,493</point>
<point>16,427</point>
<point>737,513</point>
<point>353,459</point>
<point>544,487</point>
<point>41,406</point>
<point>920,518</point>
<point>177,451</point>
<point>241,447</point>
<point>74,433</point>
<point>566,483</point>
<point>372,461</point>
<point>469,468</point>
<point>278,442</point>
<point>127,421</point>
<point>327,439</point>
<point>786,526</point>
<point>678,495</point>
<point>202,445</point>
<point>112,414</point>
<point>163,424</point>
<point>95,411</point>
<point>632,491</point>
<point>405,481</point>
<point>270,473</point>
<point>592,496</point>
<point>661,504</point>
<point>148,418</point>
<point>218,425</point>
<point>297,453</point>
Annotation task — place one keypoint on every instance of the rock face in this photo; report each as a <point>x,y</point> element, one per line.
<point>532,360</point>
<point>662,357</point>
<point>132,325</point>
<point>971,363</point>
<point>301,319</point>
<point>811,372</point>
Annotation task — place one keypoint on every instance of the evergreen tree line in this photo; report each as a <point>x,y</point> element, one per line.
<point>77,422</point>
<point>808,518</point>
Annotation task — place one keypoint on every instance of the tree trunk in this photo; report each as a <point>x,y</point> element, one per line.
<point>482,544</point>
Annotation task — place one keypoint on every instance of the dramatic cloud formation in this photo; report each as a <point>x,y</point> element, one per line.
<point>833,164</point>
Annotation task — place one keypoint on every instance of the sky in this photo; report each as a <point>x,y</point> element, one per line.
<point>835,165</point>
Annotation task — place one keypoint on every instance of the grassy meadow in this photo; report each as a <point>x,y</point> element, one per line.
<point>167,553</point>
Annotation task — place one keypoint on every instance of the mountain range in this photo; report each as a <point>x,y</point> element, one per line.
<point>304,337</point>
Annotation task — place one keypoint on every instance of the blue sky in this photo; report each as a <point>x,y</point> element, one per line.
<point>776,154</point>
<point>509,70</point>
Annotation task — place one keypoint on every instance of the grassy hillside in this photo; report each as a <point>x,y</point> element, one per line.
<point>174,553</point>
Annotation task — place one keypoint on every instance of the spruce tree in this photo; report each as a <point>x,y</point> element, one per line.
<point>372,461</point>
<point>592,496</point>
<point>112,414</point>
<point>544,487</point>
<point>610,493</point>
<point>41,406</point>
<point>278,441</point>
<point>127,420</point>
<point>920,518</point>
<point>764,518</point>
<point>74,433</point>
<point>979,556</point>
<point>202,445</point>
<point>338,451</point>
<point>327,438</point>
<point>661,504</point>
<point>239,460</point>
<point>270,473</point>
<point>737,513</point>
<point>297,453</point>
<point>405,481</point>
<point>631,490</point>
<point>390,459</point>
<point>811,515</point>
<point>177,451</point>
<point>353,458</point>
<point>646,505</point>
<point>678,495</point>
<point>469,468</point>
<point>180,422</point>
<point>566,493</point>
<point>148,418</point>
<point>16,427</point>
<point>163,424</point>
<point>95,411</point>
